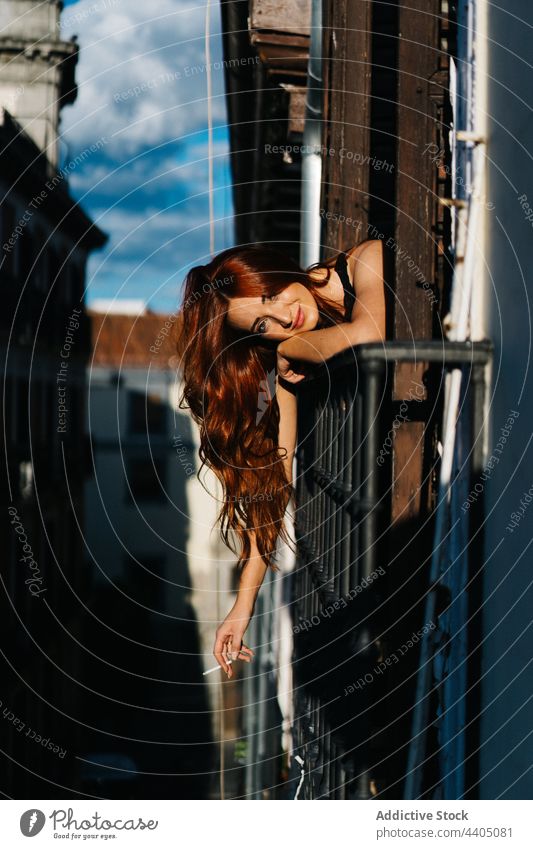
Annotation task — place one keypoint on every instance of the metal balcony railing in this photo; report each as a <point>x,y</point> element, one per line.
<point>345,743</point>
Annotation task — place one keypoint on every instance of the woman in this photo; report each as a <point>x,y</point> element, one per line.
<point>251,323</point>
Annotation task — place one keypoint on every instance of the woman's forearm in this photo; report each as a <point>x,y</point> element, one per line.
<point>251,578</point>
<point>316,346</point>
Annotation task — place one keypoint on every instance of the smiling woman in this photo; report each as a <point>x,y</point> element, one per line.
<point>272,318</point>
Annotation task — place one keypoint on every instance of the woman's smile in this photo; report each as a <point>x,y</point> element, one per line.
<point>300,318</point>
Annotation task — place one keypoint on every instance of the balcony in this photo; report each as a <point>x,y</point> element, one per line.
<point>356,603</point>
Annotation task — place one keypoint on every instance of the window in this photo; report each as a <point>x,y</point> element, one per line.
<point>7,411</point>
<point>26,246</point>
<point>23,424</point>
<point>41,264</point>
<point>146,413</point>
<point>142,574</point>
<point>146,478</point>
<point>36,411</point>
<point>8,233</point>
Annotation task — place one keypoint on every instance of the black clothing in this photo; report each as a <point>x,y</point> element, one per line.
<point>341,267</point>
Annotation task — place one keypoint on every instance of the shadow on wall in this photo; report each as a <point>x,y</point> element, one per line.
<point>153,706</point>
<point>102,685</point>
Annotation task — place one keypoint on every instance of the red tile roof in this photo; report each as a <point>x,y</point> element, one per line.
<point>134,341</point>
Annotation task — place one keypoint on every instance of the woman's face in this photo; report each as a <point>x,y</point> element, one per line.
<point>276,317</point>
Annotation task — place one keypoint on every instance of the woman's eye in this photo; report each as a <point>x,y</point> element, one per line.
<point>261,327</point>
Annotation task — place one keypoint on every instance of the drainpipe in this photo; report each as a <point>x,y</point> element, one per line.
<point>312,143</point>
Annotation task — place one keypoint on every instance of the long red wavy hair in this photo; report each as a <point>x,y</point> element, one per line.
<point>225,373</point>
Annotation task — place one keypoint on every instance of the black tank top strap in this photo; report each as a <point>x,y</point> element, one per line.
<point>341,267</point>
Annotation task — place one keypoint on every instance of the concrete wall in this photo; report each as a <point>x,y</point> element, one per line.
<point>32,57</point>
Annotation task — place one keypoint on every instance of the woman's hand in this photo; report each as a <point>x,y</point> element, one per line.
<point>228,642</point>
<point>286,370</point>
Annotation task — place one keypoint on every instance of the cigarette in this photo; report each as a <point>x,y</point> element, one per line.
<point>214,668</point>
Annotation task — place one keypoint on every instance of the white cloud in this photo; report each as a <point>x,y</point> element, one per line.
<point>124,45</point>
<point>147,186</point>
<point>151,173</point>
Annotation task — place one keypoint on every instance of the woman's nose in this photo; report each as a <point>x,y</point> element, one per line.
<point>282,314</point>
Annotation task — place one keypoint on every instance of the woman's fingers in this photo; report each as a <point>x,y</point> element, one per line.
<point>248,653</point>
<point>292,377</point>
<point>229,656</point>
<point>226,651</point>
<point>244,653</point>
<point>218,651</point>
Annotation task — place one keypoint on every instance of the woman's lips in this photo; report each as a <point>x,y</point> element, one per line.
<point>299,319</point>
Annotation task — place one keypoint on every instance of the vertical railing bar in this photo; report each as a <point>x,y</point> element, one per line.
<point>337,517</point>
<point>347,478</point>
<point>373,372</point>
<point>355,449</point>
<point>328,547</point>
<point>320,492</point>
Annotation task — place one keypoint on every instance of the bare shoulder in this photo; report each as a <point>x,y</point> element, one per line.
<point>365,263</point>
<point>367,274</point>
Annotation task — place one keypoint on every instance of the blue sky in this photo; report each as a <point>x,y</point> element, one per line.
<point>142,101</point>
